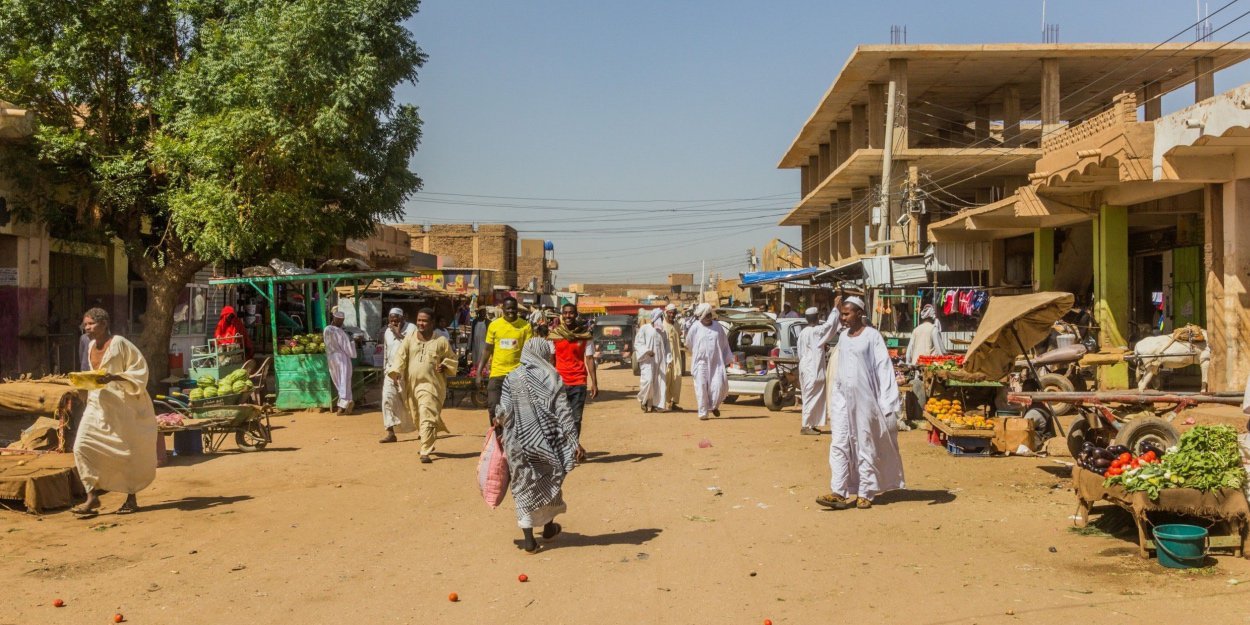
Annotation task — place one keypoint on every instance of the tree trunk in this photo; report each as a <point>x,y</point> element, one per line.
<point>165,285</point>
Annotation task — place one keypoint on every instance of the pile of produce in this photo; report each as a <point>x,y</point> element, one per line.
<point>1206,458</point>
<point>951,412</point>
<point>952,361</point>
<point>303,344</point>
<point>233,384</point>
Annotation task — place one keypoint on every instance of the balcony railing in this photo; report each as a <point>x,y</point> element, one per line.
<point>1123,110</point>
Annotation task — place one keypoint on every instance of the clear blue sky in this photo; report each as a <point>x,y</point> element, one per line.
<point>647,115</point>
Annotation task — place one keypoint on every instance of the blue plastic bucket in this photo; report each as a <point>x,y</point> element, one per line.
<point>1181,546</point>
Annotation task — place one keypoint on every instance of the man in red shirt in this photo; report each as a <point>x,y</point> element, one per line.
<point>575,361</point>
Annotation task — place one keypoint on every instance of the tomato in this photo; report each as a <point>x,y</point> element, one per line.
<point>1149,457</point>
<point>58,603</point>
<point>453,597</point>
<point>523,577</point>
<point>117,618</point>
<point>1125,458</point>
<point>1135,463</point>
<point>1114,471</point>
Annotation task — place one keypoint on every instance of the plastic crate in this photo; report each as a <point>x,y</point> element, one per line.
<point>967,446</point>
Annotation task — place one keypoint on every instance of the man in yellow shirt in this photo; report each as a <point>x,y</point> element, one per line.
<point>505,337</point>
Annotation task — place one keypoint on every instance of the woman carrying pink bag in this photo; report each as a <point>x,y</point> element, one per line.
<point>536,428</point>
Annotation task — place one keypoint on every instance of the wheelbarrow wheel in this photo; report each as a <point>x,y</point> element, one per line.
<point>772,395</point>
<point>253,438</point>
<point>1145,429</point>
<point>1055,383</point>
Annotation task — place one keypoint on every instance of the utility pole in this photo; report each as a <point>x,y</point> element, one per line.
<point>702,277</point>
<point>887,161</point>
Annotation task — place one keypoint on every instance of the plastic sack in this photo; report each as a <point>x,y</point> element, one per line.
<point>492,471</point>
<point>284,268</point>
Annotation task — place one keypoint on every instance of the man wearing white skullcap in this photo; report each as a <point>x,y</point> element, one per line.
<point>863,399</point>
<point>340,351</point>
<point>422,364</point>
<point>672,381</point>
<point>926,339</point>
<point>811,349</point>
<point>650,348</point>
<point>708,346</point>
<point>395,415</point>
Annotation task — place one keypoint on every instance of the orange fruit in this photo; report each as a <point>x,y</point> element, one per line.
<point>453,597</point>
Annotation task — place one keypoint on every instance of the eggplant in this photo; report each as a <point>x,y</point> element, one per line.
<point>1102,463</point>
<point>1116,450</point>
<point>1147,446</point>
<point>1105,453</point>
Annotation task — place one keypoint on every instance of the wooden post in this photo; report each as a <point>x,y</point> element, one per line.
<point>1213,260</point>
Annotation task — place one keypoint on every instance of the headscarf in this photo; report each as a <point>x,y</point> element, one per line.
<point>538,433</point>
<point>657,318</point>
<point>230,330</point>
<point>395,311</point>
<point>560,331</point>
<point>703,310</point>
<point>928,313</point>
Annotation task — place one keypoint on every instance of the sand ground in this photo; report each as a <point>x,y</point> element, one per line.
<point>327,526</point>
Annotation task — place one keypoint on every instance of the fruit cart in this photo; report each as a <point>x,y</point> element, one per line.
<point>303,378</point>
<point>216,420</point>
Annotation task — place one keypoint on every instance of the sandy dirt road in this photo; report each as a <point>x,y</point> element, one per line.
<point>328,526</point>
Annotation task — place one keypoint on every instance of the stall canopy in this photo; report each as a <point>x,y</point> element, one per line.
<point>877,271</point>
<point>1012,324</point>
<point>759,278</point>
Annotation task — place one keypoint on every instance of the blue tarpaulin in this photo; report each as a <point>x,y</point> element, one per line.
<point>768,277</point>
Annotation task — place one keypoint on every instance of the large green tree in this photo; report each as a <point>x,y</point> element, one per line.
<point>197,131</point>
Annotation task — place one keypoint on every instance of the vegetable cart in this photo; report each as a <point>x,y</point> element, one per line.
<point>303,379</point>
<point>217,420</point>
<point>1226,505</point>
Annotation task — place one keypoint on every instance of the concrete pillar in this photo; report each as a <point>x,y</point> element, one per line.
<point>806,253</point>
<point>898,76</point>
<point>843,144</point>
<point>859,127</point>
<point>831,235</point>
<point>1213,260</point>
<point>825,158</point>
<point>813,170</point>
<point>981,125</point>
<point>1204,78</point>
<point>805,181</point>
<point>856,226</point>
<point>876,115</point>
<point>1050,95</point>
<point>1111,288</point>
<point>1011,115</point>
<point>1043,259</point>
<point>1235,303</point>
<point>822,227</point>
<point>1152,103</point>
<point>998,261</point>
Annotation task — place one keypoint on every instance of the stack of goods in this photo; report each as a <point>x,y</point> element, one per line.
<point>951,412</point>
<point>957,359</point>
<point>208,388</point>
<point>1206,458</point>
<point>303,344</point>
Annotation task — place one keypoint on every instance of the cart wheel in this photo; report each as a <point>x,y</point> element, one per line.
<point>772,395</point>
<point>254,438</point>
<point>478,397</point>
<point>1147,430</point>
<point>1055,383</point>
<point>731,399</point>
<point>1081,432</point>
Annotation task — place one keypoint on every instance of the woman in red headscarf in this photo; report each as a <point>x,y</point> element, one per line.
<point>230,330</point>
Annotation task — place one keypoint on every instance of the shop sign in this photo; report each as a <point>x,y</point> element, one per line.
<point>454,282</point>
<point>8,276</point>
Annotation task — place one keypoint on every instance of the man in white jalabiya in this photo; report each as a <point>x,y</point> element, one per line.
<point>811,348</point>
<point>673,335</point>
<point>115,448</point>
<point>863,399</point>
<point>340,352</point>
<point>395,415</point>
<point>650,348</point>
<point>707,347</point>
<point>926,338</point>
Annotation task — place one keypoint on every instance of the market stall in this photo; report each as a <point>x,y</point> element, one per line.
<point>964,396</point>
<point>37,423</point>
<point>1202,478</point>
<point>302,374</point>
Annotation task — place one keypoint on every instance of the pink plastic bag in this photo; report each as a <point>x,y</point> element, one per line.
<point>492,471</point>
